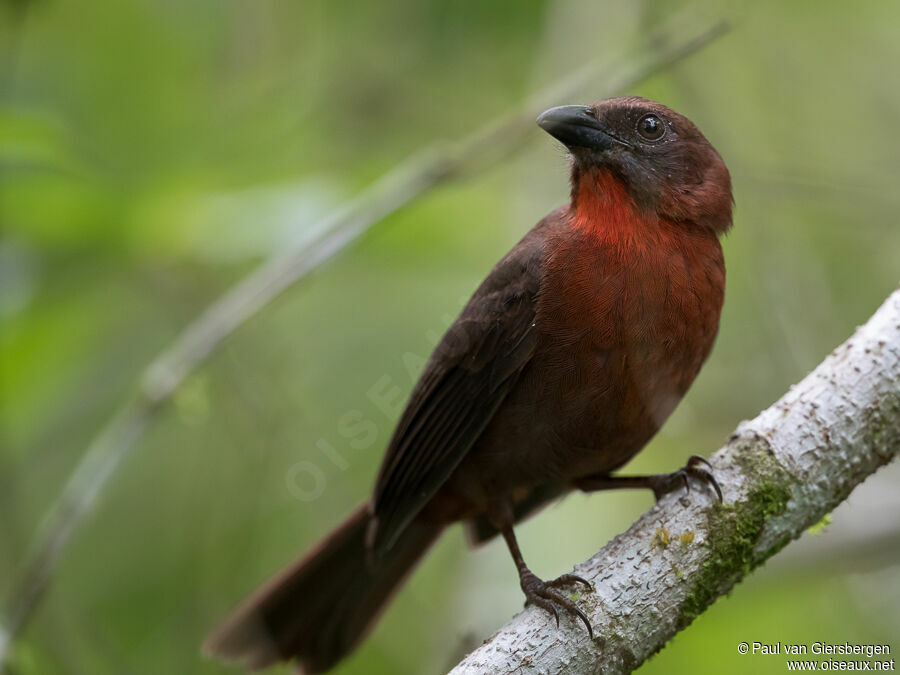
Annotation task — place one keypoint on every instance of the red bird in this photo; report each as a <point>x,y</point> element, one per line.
<point>565,362</point>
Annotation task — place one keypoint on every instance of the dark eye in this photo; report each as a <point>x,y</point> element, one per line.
<point>651,128</point>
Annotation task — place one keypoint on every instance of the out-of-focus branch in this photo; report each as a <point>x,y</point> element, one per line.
<point>405,183</point>
<point>780,474</point>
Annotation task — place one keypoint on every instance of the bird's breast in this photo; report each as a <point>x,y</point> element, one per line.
<point>625,326</point>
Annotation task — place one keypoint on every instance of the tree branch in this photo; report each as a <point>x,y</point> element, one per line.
<point>780,473</point>
<point>410,180</point>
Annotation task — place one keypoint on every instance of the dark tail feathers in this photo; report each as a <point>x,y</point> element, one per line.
<point>320,608</point>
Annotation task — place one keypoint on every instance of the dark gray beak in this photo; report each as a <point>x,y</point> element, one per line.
<point>576,126</point>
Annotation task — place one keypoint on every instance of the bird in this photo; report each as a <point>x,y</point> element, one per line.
<point>564,363</point>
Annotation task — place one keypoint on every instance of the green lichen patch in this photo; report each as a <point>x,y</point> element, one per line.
<point>819,527</point>
<point>662,538</point>
<point>734,529</point>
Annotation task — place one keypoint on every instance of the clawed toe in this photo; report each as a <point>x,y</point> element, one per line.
<point>568,580</point>
<point>696,468</point>
<point>544,595</point>
<point>702,470</point>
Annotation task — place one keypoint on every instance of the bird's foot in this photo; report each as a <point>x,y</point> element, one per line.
<point>696,468</point>
<point>544,595</point>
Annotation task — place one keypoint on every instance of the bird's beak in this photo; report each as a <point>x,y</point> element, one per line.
<point>576,126</point>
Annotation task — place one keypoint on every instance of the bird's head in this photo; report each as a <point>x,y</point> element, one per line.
<point>663,161</point>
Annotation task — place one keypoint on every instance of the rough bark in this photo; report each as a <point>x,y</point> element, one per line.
<point>780,474</point>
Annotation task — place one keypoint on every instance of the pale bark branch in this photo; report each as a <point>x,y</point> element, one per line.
<point>780,473</point>
<point>682,37</point>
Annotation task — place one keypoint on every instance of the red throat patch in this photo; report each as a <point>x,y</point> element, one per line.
<point>605,209</point>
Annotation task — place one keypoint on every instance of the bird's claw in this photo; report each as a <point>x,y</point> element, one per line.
<point>698,468</point>
<point>544,595</point>
<point>568,580</point>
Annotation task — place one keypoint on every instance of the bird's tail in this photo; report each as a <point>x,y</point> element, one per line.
<point>319,609</point>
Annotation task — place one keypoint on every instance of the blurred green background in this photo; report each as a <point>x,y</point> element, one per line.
<point>152,152</point>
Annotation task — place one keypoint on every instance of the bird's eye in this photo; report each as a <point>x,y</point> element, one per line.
<point>651,128</point>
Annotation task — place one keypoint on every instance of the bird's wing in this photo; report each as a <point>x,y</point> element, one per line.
<point>471,371</point>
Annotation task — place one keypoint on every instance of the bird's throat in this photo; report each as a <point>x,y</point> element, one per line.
<point>603,207</point>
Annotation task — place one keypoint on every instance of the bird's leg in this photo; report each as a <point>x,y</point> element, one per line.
<point>539,592</point>
<point>661,483</point>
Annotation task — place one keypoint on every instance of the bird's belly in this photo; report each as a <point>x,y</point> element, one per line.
<point>616,399</point>
<point>579,409</point>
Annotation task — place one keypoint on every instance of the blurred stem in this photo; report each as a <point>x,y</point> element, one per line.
<point>410,180</point>
<point>17,11</point>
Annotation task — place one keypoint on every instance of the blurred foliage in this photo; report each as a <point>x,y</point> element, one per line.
<point>153,151</point>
